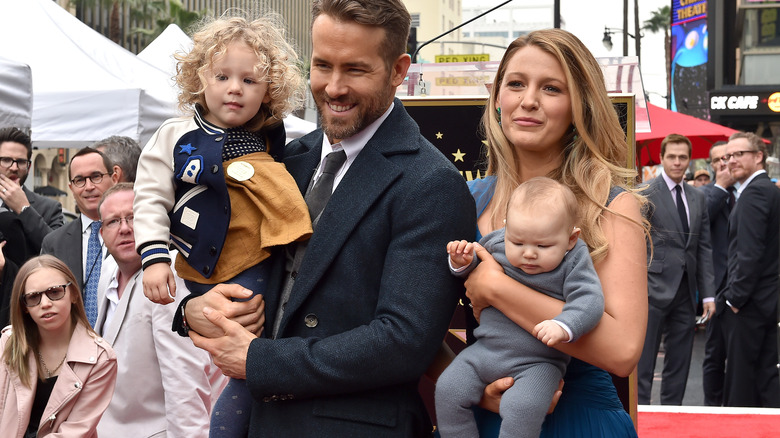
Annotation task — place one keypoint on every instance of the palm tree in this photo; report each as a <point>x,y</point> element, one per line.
<point>151,17</point>
<point>161,13</point>
<point>662,20</point>
<point>113,29</point>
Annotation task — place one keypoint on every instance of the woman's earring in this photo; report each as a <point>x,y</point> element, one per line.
<point>498,111</point>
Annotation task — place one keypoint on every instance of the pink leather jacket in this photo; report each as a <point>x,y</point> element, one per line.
<point>83,391</point>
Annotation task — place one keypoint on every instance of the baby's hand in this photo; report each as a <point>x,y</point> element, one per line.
<point>158,280</point>
<point>550,332</point>
<point>461,253</point>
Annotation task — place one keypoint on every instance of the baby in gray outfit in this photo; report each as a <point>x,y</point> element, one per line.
<point>540,247</point>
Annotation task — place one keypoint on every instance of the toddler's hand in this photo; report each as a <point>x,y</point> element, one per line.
<point>550,333</point>
<point>461,253</point>
<point>158,280</point>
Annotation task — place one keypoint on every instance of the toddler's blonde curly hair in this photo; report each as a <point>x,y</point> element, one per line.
<point>277,64</point>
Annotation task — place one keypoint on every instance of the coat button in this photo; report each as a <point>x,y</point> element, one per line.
<point>212,251</point>
<point>206,269</point>
<point>92,358</point>
<point>77,385</point>
<point>311,320</point>
<point>214,169</point>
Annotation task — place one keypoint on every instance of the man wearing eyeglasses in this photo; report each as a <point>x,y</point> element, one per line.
<point>721,199</point>
<point>750,323</point>
<point>39,215</point>
<point>178,382</point>
<point>78,243</point>
<point>679,274</point>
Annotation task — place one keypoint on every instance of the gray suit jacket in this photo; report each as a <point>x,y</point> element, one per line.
<point>373,297</point>
<point>43,216</point>
<point>65,244</point>
<point>675,253</point>
<point>165,386</point>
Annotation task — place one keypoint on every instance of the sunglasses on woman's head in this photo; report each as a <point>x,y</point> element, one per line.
<point>53,293</point>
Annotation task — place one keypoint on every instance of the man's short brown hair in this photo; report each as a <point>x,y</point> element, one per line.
<point>676,138</point>
<point>390,15</point>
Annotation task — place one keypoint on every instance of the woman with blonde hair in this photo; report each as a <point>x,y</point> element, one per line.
<point>57,375</point>
<point>549,115</point>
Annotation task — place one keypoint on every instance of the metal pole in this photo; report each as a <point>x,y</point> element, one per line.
<point>625,27</point>
<point>420,46</point>
<point>638,35</point>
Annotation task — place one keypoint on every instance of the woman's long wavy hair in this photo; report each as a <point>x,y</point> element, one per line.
<point>25,337</point>
<point>594,151</point>
<point>277,64</point>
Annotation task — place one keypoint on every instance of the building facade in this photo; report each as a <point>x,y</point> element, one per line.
<point>116,20</point>
<point>742,80</point>
<point>431,18</point>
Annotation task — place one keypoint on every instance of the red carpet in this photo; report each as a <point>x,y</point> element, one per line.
<point>703,422</point>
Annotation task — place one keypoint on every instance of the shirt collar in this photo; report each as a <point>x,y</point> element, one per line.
<point>669,183</point>
<point>353,145</point>
<point>85,223</point>
<point>747,181</point>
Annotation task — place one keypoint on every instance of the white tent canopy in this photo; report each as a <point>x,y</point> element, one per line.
<point>85,87</point>
<point>159,53</point>
<point>15,95</point>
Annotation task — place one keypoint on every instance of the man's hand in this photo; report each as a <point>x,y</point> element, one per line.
<point>708,309</point>
<point>158,281</point>
<point>550,333</point>
<point>228,350</point>
<point>723,177</point>
<point>249,314</point>
<point>12,194</point>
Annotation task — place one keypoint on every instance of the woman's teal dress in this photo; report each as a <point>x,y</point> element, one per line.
<point>589,406</point>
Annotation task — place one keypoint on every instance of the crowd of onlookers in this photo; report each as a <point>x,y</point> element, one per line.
<point>715,266</point>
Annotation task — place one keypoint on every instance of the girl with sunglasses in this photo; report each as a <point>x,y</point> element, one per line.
<point>56,375</point>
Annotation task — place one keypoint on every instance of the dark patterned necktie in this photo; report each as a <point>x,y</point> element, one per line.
<point>319,195</point>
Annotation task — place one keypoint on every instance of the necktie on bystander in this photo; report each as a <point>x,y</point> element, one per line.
<point>681,209</point>
<point>94,261</point>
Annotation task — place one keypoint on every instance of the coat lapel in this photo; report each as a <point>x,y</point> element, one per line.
<point>111,332</point>
<point>368,178</point>
<point>693,211</point>
<point>74,253</point>
<point>668,204</point>
<point>303,164</point>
